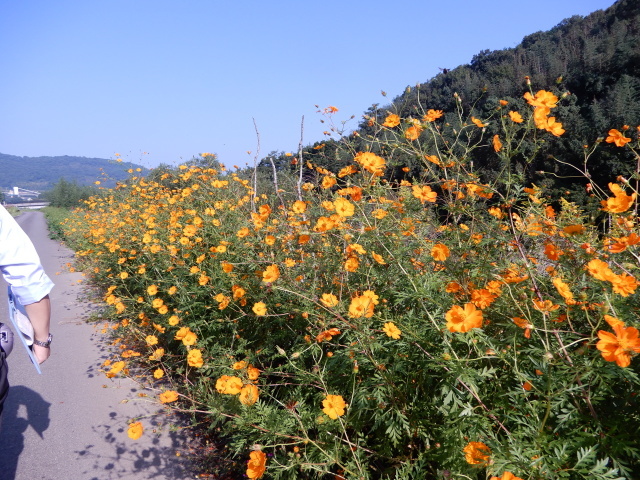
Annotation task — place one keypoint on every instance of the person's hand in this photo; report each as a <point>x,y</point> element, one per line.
<point>41,353</point>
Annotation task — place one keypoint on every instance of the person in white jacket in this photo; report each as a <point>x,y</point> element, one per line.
<point>21,268</point>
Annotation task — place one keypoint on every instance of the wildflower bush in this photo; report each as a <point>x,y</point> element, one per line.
<point>457,324</point>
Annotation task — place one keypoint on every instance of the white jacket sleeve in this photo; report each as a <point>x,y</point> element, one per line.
<point>19,262</point>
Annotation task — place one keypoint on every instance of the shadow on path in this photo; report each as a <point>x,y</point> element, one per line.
<point>13,426</point>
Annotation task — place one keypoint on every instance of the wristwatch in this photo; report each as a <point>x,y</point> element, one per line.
<point>46,344</point>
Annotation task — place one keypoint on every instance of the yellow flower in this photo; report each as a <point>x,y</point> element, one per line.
<point>271,274</point>
<point>152,289</point>
<point>334,406</point>
<point>249,394</point>
<point>299,207</point>
<point>329,300</point>
<point>168,396</point>
<point>157,354</point>
<point>135,430</point>
<point>194,358</point>
<point>259,309</point>
<point>344,207</point>
<point>158,373</point>
<point>391,330</point>
<point>190,339</point>
<point>152,340</point>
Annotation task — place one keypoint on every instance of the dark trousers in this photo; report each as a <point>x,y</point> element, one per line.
<point>4,382</point>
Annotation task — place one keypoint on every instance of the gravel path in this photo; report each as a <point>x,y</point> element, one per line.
<point>70,422</point>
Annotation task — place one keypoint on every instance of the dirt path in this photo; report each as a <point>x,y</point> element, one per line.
<point>70,422</point>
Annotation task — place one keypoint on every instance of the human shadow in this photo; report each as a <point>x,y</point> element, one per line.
<point>159,456</point>
<point>13,426</point>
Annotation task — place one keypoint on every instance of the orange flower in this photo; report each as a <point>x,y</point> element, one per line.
<point>328,182</point>
<point>463,319</point>
<point>194,358</point>
<point>506,476</point>
<point>371,162</point>
<point>298,206</point>
<point>424,193</point>
<point>515,117</point>
<point>327,335</point>
<point>482,298</point>
<point>135,430</point>
<point>361,306</point>
<point>348,170</point>
<point>334,406</point>
<point>168,396</point>
<point>252,372</point>
<point>624,284</point>
<point>542,99</point>
<point>391,330</point>
<point>600,270</point>
<point>552,252</point>
<point>391,121</point>
<point>344,207</point>
<point>432,115</point>
<point>497,144</point>
<point>413,132</point>
<point>351,264</point>
<point>524,324</point>
<point>249,395</point>
<point>329,300</point>
<point>545,306</point>
<point>440,252</point>
<point>270,274</point>
<point>229,385</point>
<point>619,347</point>
<point>478,123</point>
<point>476,453</point>
<point>563,289</point>
<point>257,464</point>
<point>621,202</point>
<point>617,137</point>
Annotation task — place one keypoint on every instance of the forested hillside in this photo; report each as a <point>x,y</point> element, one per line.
<point>592,63</point>
<point>41,173</point>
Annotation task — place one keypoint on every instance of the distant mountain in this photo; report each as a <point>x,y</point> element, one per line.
<point>41,173</point>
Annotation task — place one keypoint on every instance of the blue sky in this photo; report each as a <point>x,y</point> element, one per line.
<point>162,81</point>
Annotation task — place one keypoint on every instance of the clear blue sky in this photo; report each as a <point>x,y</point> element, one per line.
<point>162,81</point>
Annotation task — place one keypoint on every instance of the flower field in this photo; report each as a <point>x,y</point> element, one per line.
<point>457,324</point>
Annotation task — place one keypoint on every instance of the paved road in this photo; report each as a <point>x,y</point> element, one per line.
<point>70,422</point>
